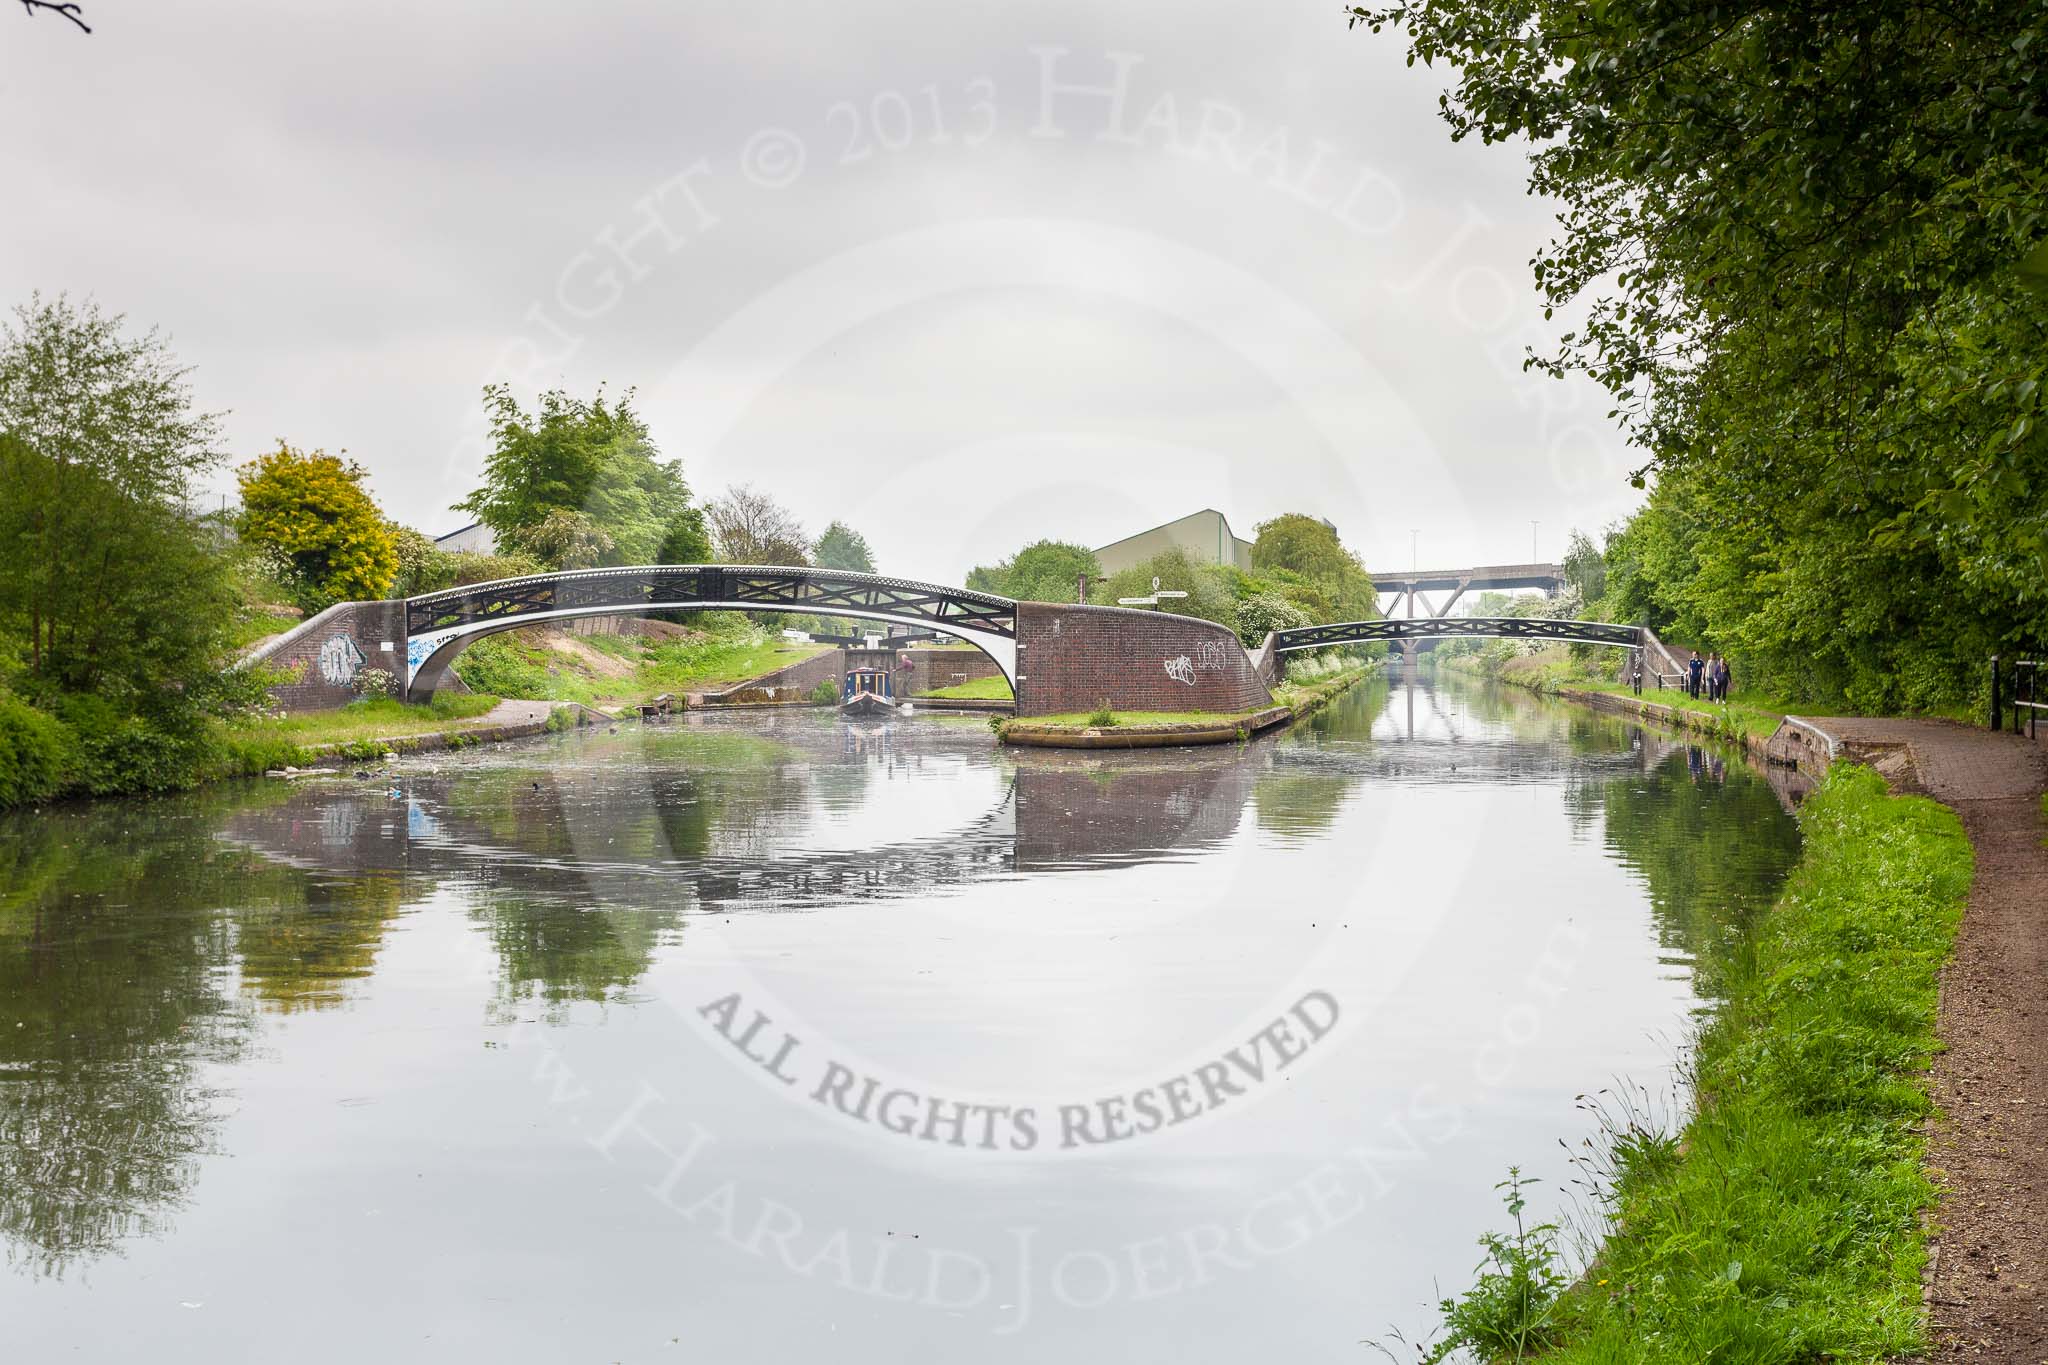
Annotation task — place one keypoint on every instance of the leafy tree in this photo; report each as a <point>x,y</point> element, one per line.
<point>1797,242</point>
<point>687,540</point>
<point>1584,567</point>
<point>1306,545</point>
<point>312,517</point>
<point>1301,559</point>
<point>75,386</point>
<point>1208,586</point>
<point>565,540</point>
<point>107,585</point>
<point>424,568</point>
<point>750,527</point>
<point>1043,571</point>
<point>106,593</point>
<point>842,547</point>
<point>594,458</point>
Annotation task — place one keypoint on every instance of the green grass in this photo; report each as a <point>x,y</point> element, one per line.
<point>1305,694</point>
<point>1748,711</point>
<point>382,719</point>
<point>995,687</point>
<point>509,666</point>
<point>1298,696</point>
<point>1785,1224</point>
<point>1744,714</point>
<point>245,631</point>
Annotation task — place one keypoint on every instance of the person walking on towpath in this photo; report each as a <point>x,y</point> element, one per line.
<point>1635,673</point>
<point>1695,672</point>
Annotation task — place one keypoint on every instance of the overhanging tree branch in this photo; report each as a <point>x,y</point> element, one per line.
<point>69,11</point>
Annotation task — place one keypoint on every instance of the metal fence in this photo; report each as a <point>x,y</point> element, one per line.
<point>2026,694</point>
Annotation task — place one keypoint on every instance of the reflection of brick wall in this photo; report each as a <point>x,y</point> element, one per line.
<point>1072,658</point>
<point>1071,807</point>
<point>327,651</point>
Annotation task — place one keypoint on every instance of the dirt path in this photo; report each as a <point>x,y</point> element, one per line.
<point>1988,1285</point>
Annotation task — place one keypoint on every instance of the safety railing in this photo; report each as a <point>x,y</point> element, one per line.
<point>2026,694</point>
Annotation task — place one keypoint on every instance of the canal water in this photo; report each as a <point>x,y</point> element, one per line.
<point>773,1038</point>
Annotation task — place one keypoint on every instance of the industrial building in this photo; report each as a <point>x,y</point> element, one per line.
<point>1205,536</point>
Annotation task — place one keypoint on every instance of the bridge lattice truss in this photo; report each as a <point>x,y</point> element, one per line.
<point>819,592</point>
<point>1456,628</point>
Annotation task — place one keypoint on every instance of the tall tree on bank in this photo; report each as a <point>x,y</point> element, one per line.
<point>311,516</point>
<point>842,547</point>
<point>107,585</point>
<point>1798,241</point>
<point>593,458</point>
<point>750,527</point>
<point>1043,571</point>
<point>1313,569</point>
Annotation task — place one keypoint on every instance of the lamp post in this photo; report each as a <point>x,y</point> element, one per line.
<point>1532,540</point>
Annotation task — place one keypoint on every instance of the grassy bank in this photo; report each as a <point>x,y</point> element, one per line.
<point>1748,712</point>
<point>995,687</point>
<point>1304,692</point>
<point>1555,670</point>
<point>1783,1224</point>
<point>292,741</point>
<point>46,756</point>
<point>608,670</point>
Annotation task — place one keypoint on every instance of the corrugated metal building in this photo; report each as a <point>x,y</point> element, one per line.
<point>1204,535</point>
<point>475,537</point>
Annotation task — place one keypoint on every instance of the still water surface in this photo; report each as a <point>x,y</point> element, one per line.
<point>773,1038</point>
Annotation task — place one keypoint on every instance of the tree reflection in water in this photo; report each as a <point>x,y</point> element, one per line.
<point>143,944</point>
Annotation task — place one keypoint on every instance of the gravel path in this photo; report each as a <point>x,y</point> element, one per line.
<point>515,713</point>
<point>1987,1288</point>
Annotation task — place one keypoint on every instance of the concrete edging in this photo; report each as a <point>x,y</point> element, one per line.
<point>1240,727</point>
<point>1145,736</point>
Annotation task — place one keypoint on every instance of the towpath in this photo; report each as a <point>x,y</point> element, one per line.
<point>1988,1284</point>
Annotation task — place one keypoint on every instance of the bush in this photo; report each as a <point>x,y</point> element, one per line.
<point>37,754</point>
<point>825,693</point>
<point>372,683</point>
<point>1102,717</point>
<point>132,755</point>
<point>1263,613</point>
<point>253,755</point>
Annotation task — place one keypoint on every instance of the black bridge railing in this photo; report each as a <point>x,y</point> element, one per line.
<point>821,592</point>
<point>1458,628</point>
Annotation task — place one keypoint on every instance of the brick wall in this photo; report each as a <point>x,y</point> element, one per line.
<point>327,651</point>
<point>1268,662</point>
<point>935,668</point>
<point>1072,658</point>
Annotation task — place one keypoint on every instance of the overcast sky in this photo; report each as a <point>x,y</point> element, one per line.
<point>961,275</point>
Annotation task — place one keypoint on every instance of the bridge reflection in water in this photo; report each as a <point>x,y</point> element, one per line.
<point>151,956</point>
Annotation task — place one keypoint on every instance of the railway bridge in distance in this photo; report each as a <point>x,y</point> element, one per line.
<point>1410,588</point>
